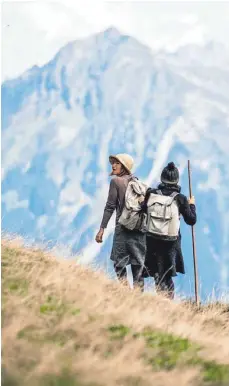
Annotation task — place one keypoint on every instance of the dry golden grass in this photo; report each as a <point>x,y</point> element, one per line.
<point>66,325</point>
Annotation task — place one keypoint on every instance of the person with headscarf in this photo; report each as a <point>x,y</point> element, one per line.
<point>164,258</point>
<point>129,246</point>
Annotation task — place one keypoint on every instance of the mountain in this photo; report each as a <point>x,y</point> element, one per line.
<point>108,94</point>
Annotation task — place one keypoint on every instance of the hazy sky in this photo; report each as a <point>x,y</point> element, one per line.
<point>33,31</point>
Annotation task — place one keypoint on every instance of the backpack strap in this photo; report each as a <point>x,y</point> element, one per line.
<point>174,194</point>
<point>130,179</point>
<point>159,192</point>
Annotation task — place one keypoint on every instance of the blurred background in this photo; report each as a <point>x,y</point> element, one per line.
<point>83,80</point>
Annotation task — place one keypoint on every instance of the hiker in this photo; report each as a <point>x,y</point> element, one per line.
<point>129,246</point>
<point>164,255</point>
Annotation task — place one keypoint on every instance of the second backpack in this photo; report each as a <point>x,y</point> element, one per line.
<point>163,218</point>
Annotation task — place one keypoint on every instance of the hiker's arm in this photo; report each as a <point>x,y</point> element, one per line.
<point>110,204</point>
<point>188,211</point>
<point>144,203</point>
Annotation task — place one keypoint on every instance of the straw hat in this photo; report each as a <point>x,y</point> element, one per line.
<point>125,159</point>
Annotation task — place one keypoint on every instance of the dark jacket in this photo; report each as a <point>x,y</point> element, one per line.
<point>165,257</point>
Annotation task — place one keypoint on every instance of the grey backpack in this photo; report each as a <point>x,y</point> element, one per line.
<point>132,216</point>
<point>163,217</point>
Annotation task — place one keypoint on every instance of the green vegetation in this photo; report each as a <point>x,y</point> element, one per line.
<point>66,378</point>
<point>118,331</point>
<point>43,320</point>
<point>166,352</point>
<point>35,335</point>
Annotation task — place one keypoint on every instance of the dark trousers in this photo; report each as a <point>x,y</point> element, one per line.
<point>164,285</point>
<point>138,280</point>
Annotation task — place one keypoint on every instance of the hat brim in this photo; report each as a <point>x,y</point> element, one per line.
<point>113,157</point>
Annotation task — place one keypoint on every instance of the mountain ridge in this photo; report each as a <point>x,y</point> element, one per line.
<point>61,124</point>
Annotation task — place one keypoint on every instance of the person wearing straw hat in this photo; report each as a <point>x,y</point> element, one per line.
<point>129,246</point>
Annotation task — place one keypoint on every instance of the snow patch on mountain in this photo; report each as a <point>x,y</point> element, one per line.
<point>108,94</point>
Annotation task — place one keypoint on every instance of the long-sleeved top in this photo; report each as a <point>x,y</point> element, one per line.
<point>188,211</point>
<point>166,256</point>
<point>116,198</point>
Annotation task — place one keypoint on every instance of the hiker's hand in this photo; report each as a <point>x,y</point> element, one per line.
<point>191,200</point>
<point>99,236</point>
<point>141,199</point>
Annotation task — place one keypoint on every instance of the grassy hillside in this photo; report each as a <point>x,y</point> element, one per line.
<point>64,325</point>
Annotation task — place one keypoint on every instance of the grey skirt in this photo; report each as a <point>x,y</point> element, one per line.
<point>129,247</point>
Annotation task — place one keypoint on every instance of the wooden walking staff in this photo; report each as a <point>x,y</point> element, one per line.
<point>193,241</point>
